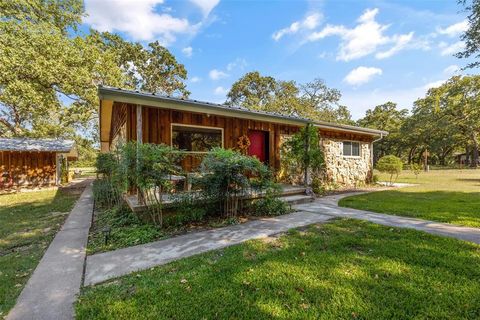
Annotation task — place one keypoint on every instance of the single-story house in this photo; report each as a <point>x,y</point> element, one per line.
<point>196,127</point>
<point>26,162</point>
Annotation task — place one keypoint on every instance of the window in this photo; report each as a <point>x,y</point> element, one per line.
<point>351,149</point>
<point>196,139</point>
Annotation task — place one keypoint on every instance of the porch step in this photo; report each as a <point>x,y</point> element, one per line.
<point>297,199</point>
<point>292,190</point>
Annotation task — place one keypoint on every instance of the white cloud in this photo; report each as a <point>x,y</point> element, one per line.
<point>216,74</point>
<point>434,84</point>
<point>364,39</point>
<point>220,91</point>
<point>401,41</point>
<point>138,19</point>
<point>195,79</point>
<point>310,22</point>
<point>452,69</point>
<point>452,48</point>
<point>454,29</point>
<point>361,75</point>
<point>239,63</point>
<point>206,5</point>
<point>187,51</point>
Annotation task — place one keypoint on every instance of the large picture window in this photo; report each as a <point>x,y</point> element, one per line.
<point>351,149</point>
<point>196,139</point>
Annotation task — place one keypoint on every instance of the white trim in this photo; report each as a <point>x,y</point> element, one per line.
<point>359,149</point>
<point>194,126</point>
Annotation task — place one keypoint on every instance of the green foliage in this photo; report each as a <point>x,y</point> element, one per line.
<point>270,204</point>
<point>227,176</point>
<point>416,169</point>
<point>106,164</point>
<point>388,118</point>
<point>303,152</point>
<point>471,36</point>
<point>391,165</point>
<point>50,70</point>
<point>312,100</point>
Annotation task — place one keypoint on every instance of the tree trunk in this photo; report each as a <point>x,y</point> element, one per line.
<point>474,163</point>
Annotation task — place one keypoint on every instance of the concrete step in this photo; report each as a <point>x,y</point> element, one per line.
<point>297,199</point>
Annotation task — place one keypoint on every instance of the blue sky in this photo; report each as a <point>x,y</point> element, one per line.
<point>372,51</point>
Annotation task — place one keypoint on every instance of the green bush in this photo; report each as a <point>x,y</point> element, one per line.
<point>270,205</point>
<point>392,165</point>
<point>226,176</point>
<point>416,169</point>
<point>302,152</point>
<point>105,194</point>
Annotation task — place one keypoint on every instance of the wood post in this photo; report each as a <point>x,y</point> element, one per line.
<point>139,141</point>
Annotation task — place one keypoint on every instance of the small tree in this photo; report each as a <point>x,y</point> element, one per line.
<point>302,153</point>
<point>228,175</point>
<point>155,164</point>
<point>416,169</point>
<point>391,165</point>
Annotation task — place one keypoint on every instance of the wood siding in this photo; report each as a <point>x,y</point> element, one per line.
<point>27,169</point>
<point>156,128</point>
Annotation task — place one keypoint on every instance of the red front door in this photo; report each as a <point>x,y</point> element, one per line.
<point>258,144</point>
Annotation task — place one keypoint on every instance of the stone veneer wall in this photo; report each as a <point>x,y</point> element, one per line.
<point>346,170</point>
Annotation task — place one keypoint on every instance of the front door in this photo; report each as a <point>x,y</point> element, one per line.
<point>258,145</point>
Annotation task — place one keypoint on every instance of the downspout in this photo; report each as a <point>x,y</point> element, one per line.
<point>307,160</point>
<point>371,149</point>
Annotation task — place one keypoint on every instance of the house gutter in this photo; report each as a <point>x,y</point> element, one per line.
<point>371,148</point>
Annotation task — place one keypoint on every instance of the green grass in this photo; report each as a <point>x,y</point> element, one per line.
<point>341,270</point>
<point>28,223</point>
<point>451,196</point>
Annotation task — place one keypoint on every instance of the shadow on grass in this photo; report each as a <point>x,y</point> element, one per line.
<point>341,270</point>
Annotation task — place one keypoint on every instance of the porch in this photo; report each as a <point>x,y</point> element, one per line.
<point>289,193</point>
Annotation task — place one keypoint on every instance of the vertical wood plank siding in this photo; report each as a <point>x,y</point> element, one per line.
<point>27,169</point>
<point>157,129</point>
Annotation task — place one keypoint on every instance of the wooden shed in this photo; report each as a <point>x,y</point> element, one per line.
<point>26,162</point>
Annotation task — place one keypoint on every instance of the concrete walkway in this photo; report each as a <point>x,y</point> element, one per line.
<point>329,206</point>
<point>103,266</point>
<point>51,290</point>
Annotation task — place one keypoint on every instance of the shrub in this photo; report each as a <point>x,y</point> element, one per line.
<point>269,205</point>
<point>154,164</point>
<point>391,165</point>
<point>299,156</point>
<point>416,169</point>
<point>106,164</point>
<point>227,176</point>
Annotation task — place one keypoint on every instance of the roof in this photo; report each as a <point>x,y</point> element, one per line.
<point>28,144</point>
<point>150,99</point>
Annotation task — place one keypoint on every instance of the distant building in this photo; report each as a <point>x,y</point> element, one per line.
<point>26,162</point>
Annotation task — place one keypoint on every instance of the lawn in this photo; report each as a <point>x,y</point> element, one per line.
<point>451,196</point>
<point>28,223</point>
<point>341,270</point>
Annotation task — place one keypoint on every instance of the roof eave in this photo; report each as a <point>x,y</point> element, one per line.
<point>192,106</point>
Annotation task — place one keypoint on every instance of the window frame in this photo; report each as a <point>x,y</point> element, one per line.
<point>194,126</point>
<point>351,142</point>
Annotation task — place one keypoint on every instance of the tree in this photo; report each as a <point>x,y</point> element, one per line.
<point>472,35</point>
<point>49,70</point>
<point>322,103</point>
<point>386,117</point>
<point>313,100</point>
<point>458,100</point>
<point>391,165</point>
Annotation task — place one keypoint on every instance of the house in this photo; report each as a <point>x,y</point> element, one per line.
<point>28,162</point>
<point>196,127</point>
